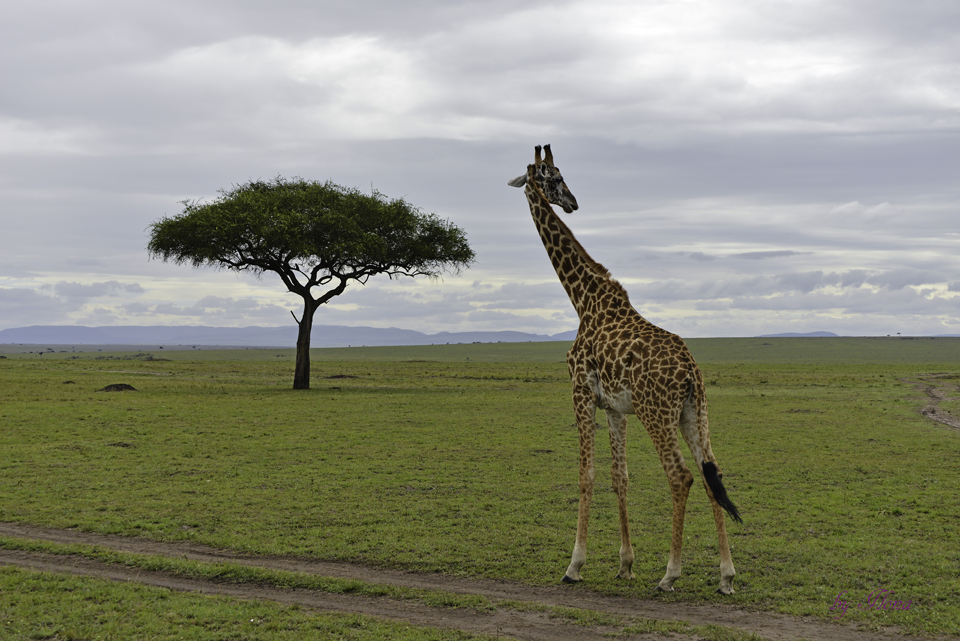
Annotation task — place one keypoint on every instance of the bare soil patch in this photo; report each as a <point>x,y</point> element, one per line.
<point>938,388</point>
<point>503,622</point>
<point>118,387</point>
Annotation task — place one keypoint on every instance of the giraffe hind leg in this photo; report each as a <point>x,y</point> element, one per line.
<point>680,480</point>
<point>720,501</point>
<point>680,483</point>
<point>691,421</point>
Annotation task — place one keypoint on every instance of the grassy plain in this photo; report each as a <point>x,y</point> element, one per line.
<point>38,605</point>
<point>462,459</point>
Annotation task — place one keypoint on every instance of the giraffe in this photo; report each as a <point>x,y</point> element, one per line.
<point>623,364</point>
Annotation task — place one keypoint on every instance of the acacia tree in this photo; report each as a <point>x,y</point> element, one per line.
<point>316,236</point>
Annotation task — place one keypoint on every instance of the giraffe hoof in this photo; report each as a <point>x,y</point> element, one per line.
<point>627,577</point>
<point>567,579</point>
<point>727,591</point>
<point>660,588</point>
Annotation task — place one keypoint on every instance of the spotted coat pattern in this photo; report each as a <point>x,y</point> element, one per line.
<point>623,364</point>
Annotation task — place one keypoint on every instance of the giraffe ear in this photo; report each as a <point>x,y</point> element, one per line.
<point>519,181</point>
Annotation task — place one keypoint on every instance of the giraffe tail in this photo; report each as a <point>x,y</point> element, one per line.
<point>719,492</point>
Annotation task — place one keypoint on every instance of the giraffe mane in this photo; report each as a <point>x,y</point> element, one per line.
<point>597,267</point>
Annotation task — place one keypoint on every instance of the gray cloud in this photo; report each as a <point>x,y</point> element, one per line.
<point>733,162</point>
<point>95,290</point>
<point>904,302</point>
<point>765,254</point>
<point>24,307</point>
<point>211,307</point>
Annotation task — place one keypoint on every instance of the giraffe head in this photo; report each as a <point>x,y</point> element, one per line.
<point>544,175</point>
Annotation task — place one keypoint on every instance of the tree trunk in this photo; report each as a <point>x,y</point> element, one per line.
<point>301,376</point>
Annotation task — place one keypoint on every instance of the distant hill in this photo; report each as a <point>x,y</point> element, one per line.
<point>286,336</point>
<point>795,335</point>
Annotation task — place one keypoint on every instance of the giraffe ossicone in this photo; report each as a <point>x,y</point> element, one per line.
<point>623,364</point>
<point>548,177</point>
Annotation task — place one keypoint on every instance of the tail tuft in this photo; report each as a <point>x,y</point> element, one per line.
<point>719,492</point>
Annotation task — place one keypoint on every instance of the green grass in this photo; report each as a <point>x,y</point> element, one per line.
<point>35,605</point>
<point>469,467</point>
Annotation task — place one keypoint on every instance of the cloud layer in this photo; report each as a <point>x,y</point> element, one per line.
<point>743,167</point>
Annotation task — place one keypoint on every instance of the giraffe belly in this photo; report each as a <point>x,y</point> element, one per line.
<point>611,397</point>
<point>621,401</point>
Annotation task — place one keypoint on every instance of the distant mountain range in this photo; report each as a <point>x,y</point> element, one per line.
<point>285,336</point>
<point>322,336</point>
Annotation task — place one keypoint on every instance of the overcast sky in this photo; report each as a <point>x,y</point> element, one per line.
<point>742,166</point>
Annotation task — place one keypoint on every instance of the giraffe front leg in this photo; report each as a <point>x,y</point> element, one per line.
<point>618,471</point>
<point>579,558</point>
<point>587,427</point>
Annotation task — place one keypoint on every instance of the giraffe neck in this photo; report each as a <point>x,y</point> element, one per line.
<point>583,278</point>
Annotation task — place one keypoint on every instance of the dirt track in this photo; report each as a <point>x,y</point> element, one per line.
<point>503,622</point>
<point>937,388</point>
<point>506,622</point>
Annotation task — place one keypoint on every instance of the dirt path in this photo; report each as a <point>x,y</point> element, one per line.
<point>938,388</point>
<point>505,622</point>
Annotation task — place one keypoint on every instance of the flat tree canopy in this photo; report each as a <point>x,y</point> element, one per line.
<point>314,236</point>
